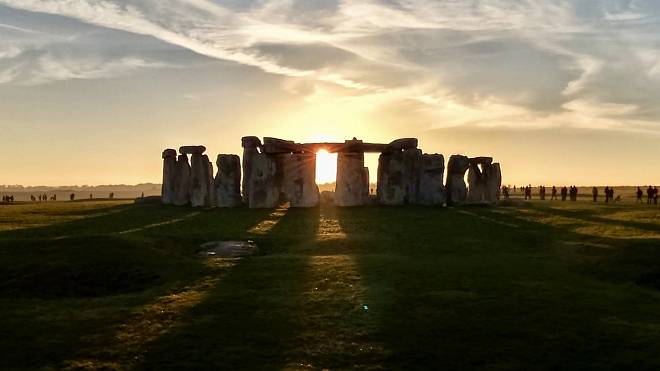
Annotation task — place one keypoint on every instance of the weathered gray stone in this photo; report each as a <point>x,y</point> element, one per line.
<point>366,183</point>
<point>493,183</point>
<point>182,182</point>
<point>264,183</point>
<point>228,181</point>
<point>192,150</point>
<point>431,190</point>
<point>251,146</point>
<point>455,188</point>
<point>402,144</point>
<point>485,180</point>
<point>211,181</point>
<point>476,183</point>
<point>275,145</point>
<point>350,187</point>
<point>482,160</point>
<point>228,249</point>
<point>199,191</point>
<point>169,176</point>
<point>300,179</point>
<point>398,177</point>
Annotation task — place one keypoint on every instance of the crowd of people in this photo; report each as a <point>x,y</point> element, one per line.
<point>571,193</point>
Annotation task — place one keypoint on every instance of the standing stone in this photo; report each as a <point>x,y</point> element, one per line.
<point>228,181</point>
<point>264,183</point>
<point>431,190</point>
<point>199,192</point>
<point>350,187</point>
<point>493,183</point>
<point>456,191</point>
<point>366,184</point>
<point>398,177</point>
<point>300,179</point>
<point>251,146</point>
<point>169,176</point>
<point>182,182</point>
<point>210,181</point>
<point>477,183</point>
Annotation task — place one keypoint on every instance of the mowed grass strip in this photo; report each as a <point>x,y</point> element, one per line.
<point>528,285</point>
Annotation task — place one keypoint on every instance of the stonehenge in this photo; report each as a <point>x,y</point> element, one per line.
<point>278,171</point>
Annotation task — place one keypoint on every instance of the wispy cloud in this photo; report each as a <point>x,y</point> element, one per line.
<point>485,62</point>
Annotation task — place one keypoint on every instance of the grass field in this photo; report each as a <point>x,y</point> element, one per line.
<point>527,285</point>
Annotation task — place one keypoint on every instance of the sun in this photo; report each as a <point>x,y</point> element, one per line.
<point>326,167</point>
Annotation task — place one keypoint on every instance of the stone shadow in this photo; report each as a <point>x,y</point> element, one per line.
<point>497,294</point>
<point>249,319</point>
<point>107,274</point>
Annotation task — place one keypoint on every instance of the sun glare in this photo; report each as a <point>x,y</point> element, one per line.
<point>326,167</point>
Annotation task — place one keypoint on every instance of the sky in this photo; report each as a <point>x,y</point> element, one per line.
<point>558,92</point>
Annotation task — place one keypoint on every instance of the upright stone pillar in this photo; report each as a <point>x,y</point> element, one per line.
<point>431,190</point>
<point>479,170</point>
<point>182,182</point>
<point>493,183</point>
<point>455,188</point>
<point>228,181</point>
<point>264,184</point>
<point>366,184</point>
<point>199,192</point>
<point>300,179</point>
<point>398,177</point>
<point>476,184</point>
<point>251,146</point>
<point>350,187</point>
<point>169,176</point>
<point>210,187</point>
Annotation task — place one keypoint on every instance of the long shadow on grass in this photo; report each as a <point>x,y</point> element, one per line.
<point>94,277</point>
<point>110,220</point>
<point>249,319</point>
<point>588,216</point>
<point>473,293</point>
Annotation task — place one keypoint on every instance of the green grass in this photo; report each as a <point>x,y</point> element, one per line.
<point>527,285</point>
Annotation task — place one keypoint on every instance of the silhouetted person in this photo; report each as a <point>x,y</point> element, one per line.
<point>564,193</point>
<point>553,193</point>
<point>91,196</point>
<point>112,195</point>
<point>505,192</point>
<point>649,195</point>
<point>607,194</point>
<point>594,193</point>
<point>639,194</point>
<point>142,195</point>
<point>53,198</point>
<point>72,196</point>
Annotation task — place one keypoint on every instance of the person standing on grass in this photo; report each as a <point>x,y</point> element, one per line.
<point>607,194</point>
<point>594,193</point>
<point>639,194</point>
<point>542,192</point>
<point>564,193</point>
<point>649,195</point>
<point>554,193</point>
